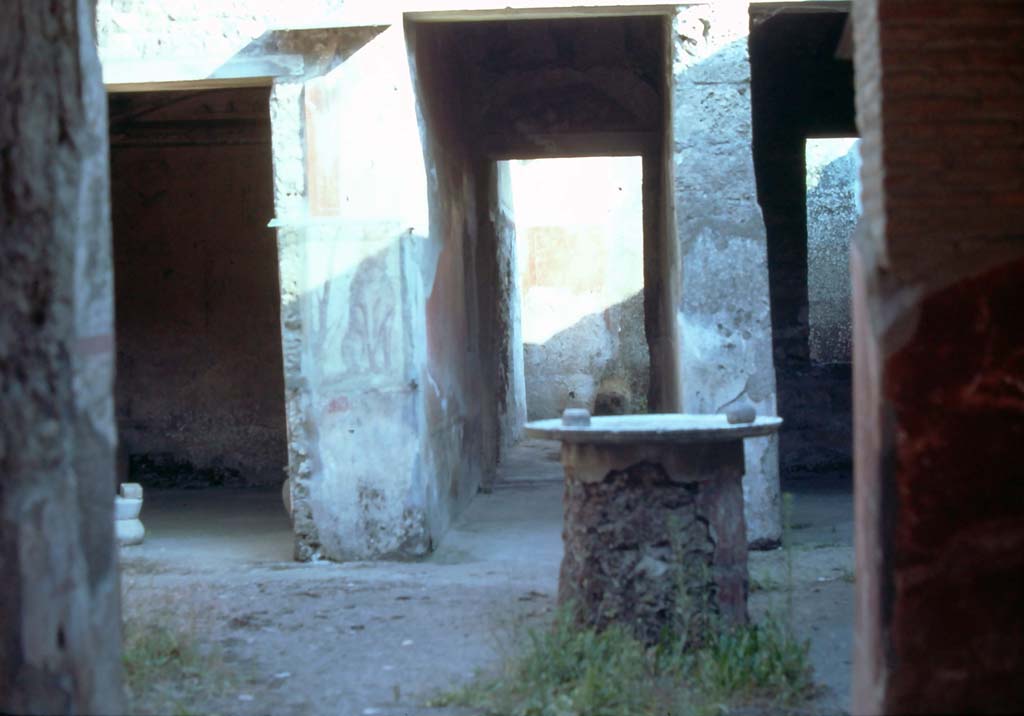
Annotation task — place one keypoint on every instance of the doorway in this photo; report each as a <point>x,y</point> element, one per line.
<point>580,261</point>
<point>200,389</point>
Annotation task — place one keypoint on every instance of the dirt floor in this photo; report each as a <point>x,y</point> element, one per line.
<point>383,637</point>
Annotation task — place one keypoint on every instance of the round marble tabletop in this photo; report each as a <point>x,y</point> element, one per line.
<point>654,428</point>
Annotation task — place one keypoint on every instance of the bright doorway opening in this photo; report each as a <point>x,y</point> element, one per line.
<point>580,261</point>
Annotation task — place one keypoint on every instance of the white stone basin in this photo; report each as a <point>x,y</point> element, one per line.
<point>654,428</point>
<point>127,525</point>
<point>126,508</point>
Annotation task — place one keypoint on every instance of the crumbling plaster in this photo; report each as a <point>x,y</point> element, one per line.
<point>499,317</point>
<point>725,331</point>
<point>352,221</point>
<point>512,369</point>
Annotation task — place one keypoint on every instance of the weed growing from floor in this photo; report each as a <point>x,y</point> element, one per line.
<point>166,664</point>
<point>787,547</point>
<point>765,584</point>
<point>762,663</point>
<point>567,670</point>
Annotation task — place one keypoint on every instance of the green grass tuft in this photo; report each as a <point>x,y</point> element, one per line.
<point>765,584</point>
<point>756,663</point>
<point>572,671</point>
<point>167,667</point>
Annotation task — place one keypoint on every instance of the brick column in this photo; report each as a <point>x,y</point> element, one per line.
<point>938,278</point>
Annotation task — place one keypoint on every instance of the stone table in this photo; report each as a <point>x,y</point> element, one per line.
<point>654,532</point>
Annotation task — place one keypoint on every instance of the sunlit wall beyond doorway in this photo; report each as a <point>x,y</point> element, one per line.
<point>579,248</point>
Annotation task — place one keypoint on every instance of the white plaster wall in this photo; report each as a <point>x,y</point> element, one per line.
<point>193,29</point>
<point>352,262</point>
<point>724,318</point>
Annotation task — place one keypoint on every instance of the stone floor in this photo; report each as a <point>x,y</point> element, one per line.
<point>380,638</point>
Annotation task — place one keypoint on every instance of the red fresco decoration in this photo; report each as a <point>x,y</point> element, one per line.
<point>339,404</point>
<point>957,392</point>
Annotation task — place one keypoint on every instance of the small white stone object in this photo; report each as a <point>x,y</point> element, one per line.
<point>127,525</point>
<point>131,490</point>
<point>740,414</point>
<point>576,417</point>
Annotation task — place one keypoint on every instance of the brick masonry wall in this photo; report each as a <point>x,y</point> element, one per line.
<point>938,277</point>
<point>961,71</point>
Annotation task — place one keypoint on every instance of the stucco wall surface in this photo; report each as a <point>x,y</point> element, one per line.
<point>511,363</point>
<point>379,315</point>
<point>142,29</point>
<point>498,317</point>
<point>724,318</point>
<point>141,41</point>
<point>352,226</point>
<point>458,444</point>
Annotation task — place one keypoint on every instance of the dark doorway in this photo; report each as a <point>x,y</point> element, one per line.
<point>200,388</point>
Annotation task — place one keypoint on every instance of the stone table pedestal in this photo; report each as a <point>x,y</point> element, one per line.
<point>654,532</point>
